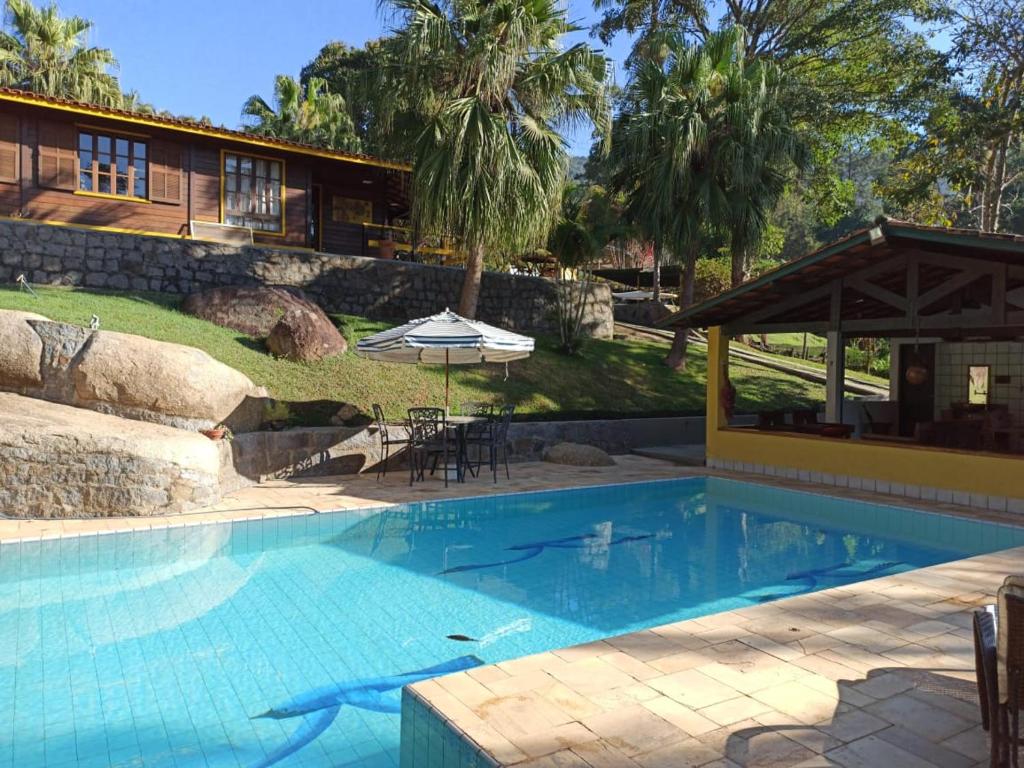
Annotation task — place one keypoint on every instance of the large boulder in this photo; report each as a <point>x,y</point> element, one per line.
<point>124,375</point>
<point>163,382</point>
<point>305,336</point>
<point>59,461</point>
<point>21,350</point>
<point>578,455</point>
<point>252,310</point>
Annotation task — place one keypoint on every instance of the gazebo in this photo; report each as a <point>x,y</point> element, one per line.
<point>951,302</point>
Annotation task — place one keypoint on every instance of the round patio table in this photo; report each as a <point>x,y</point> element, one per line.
<point>460,424</point>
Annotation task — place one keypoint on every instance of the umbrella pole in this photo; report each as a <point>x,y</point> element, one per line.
<point>446,384</point>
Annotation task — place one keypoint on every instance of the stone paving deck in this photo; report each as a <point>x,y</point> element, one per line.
<point>871,675</point>
<point>879,674</point>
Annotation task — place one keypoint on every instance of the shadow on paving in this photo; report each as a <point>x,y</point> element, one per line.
<point>894,717</point>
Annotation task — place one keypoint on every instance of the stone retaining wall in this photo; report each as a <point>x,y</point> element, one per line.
<point>376,288</point>
<point>257,456</point>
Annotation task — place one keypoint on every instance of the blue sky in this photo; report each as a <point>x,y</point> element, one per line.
<point>206,57</point>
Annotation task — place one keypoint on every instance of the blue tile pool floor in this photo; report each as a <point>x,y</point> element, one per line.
<point>282,641</point>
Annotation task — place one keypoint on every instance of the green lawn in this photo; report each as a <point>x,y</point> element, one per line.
<point>608,376</point>
<point>795,341</point>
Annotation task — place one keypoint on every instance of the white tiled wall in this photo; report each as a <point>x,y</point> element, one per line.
<point>925,493</point>
<point>1005,358</point>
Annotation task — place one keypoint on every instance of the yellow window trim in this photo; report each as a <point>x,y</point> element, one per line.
<point>213,133</point>
<point>284,190</point>
<point>107,196</point>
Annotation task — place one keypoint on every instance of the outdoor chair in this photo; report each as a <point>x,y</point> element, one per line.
<point>999,665</point>
<point>494,440</point>
<point>389,436</point>
<point>477,435</point>
<point>428,440</point>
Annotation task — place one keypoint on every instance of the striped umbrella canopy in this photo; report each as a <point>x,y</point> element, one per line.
<point>445,339</point>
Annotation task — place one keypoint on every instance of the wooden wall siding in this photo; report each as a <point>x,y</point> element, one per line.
<point>166,182</point>
<point>38,179</point>
<point>10,147</point>
<point>55,155</point>
<point>343,237</point>
<point>205,183</point>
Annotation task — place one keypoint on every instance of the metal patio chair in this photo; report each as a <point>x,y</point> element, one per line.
<point>999,665</point>
<point>389,436</point>
<point>428,440</point>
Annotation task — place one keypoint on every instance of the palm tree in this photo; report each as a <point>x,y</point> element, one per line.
<point>765,151</point>
<point>309,114</point>
<point>672,149</point>
<point>42,51</point>
<point>492,87</point>
<point>703,149</point>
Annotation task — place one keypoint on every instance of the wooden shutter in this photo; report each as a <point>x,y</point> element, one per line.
<point>10,148</point>
<point>57,158</point>
<point>165,182</point>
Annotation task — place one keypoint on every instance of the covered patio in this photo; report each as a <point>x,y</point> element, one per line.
<point>951,304</point>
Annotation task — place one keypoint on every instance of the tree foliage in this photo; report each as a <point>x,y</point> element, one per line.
<point>703,149</point>
<point>856,71</point>
<point>306,112</point>
<point>964,164</point>
<point>44,52</point>
<point>491,85</point>
<point>359,76</point>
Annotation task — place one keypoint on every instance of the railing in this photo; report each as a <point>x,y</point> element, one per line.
<point>409,245</point>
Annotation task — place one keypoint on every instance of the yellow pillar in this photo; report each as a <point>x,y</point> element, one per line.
<point>718,375</point>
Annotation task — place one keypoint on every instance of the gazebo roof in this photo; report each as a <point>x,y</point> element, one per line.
<point>888,278</point>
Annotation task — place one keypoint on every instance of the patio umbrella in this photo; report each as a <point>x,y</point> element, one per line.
<point>445,338</point>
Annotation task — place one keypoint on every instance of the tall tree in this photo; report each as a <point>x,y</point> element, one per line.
<point>963,163</point>
<point>646,21</point>
<point>360,77</point>
<point>856,69</point>
<point>764,151</point>
<point>492,84</point>
<point>310,114</point>
<point>44,52</point>
<point>700,150</point>
<point>990,47</point>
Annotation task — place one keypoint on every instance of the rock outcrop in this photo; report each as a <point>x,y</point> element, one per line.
<point>250,309</point>
<point>21,350</point>
<point>305,336</point>
<point>578,455</point>
<point>125,375</point>
<point>60,461</point>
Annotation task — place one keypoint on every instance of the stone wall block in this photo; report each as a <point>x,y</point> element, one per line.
<point>376,288</point>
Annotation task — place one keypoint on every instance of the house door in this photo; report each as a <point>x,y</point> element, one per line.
<point>916,391</point>
<point>316,231</point>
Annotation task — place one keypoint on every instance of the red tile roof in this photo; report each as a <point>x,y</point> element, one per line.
<point>191,126</point>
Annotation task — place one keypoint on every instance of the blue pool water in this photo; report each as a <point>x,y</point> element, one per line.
<point>162,648</point>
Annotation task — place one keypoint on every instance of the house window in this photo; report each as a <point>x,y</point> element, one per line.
<point>252,192</point>
<point>111,165</point>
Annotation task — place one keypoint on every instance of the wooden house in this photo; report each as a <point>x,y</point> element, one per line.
<point>71,163</point>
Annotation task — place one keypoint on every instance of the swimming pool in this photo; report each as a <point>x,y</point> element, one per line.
<point>286,641</point>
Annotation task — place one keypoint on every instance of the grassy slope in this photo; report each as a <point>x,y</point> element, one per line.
<point>607,376</point>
